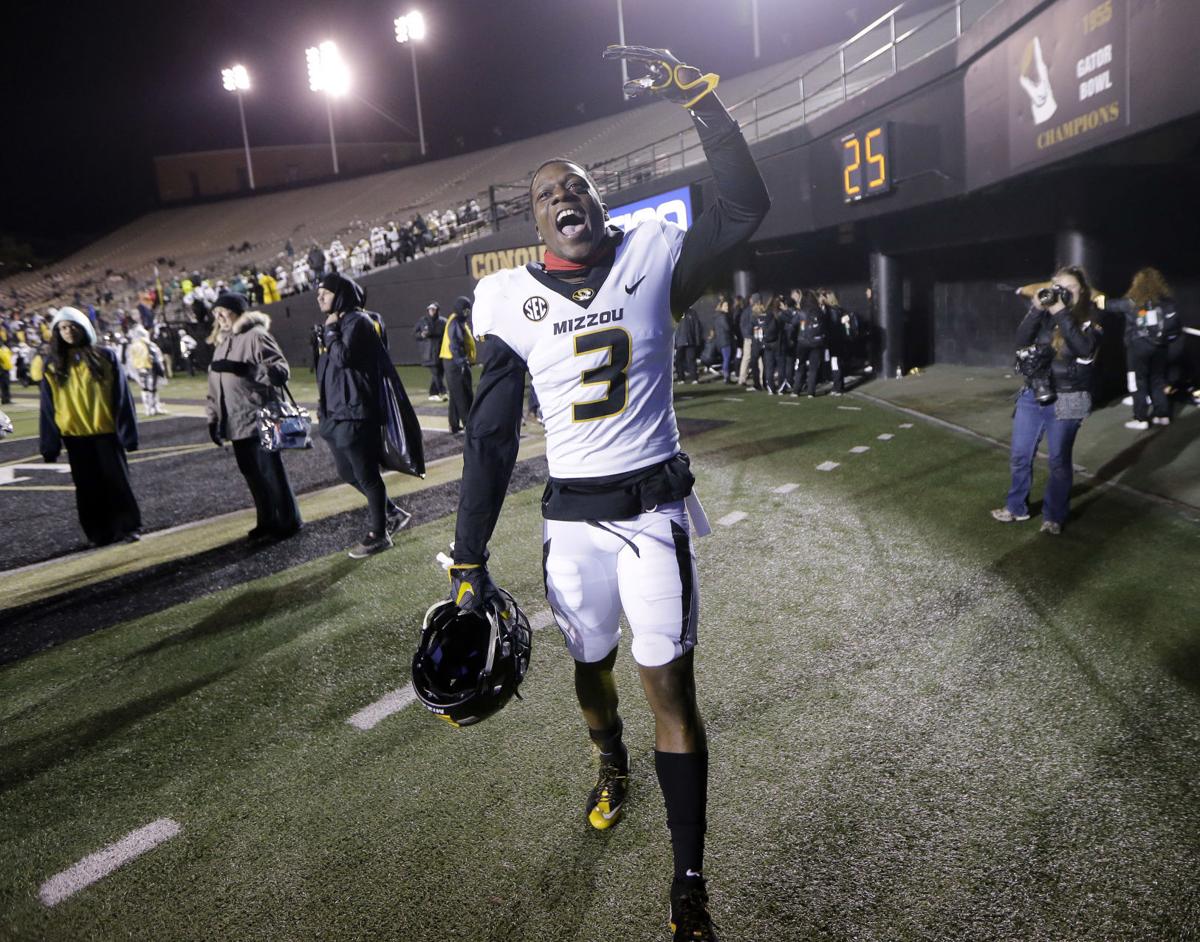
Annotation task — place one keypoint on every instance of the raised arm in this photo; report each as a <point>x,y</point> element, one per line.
<point>742,199</point>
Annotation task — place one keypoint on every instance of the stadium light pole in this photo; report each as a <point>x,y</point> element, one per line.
<point>621,40</point>
<point>327,73</point>
<point>237,80</point>
<point>409,29</point>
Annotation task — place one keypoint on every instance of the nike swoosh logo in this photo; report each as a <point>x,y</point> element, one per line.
<point>629,289</point>
<point>611,814</point>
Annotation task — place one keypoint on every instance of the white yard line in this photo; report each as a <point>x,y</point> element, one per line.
<point>850,408</point>
<point>731,518</point>
<point>789,403</point>
<point>906,425</point>
<point>827,465</point>
<point>886,437</point>
<point>859,449</point>
<point>785,488</point>
<point>100,864</point>
<point>393,702</point>
<point>730,399</point>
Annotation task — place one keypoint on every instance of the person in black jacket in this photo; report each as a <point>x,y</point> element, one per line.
<point>688,341</point>
<point>723,336</point>
<point>1151,324</point>
<point>428,331</point>
<point>810,343</point>
<point>743,320</point>
<point>348,382</point>
<point>458,355</point>
<point>1056,349</point>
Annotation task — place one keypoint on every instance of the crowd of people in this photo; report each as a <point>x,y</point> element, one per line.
<point>186,295</point>
<point>775,343</point>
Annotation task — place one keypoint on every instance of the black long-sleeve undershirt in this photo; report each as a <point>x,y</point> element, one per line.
<point>494,425</point>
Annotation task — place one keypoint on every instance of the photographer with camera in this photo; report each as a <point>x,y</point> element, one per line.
<point>1056,349</point>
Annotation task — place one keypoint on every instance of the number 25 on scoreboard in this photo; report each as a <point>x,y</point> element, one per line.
<point>866,169</point>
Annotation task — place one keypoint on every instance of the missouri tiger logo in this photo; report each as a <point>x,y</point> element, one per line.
<point>536,308</point>
<point>583,294</point>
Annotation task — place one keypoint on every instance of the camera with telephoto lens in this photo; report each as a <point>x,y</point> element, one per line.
<point>1047,296</point>
<point>1033,362</point>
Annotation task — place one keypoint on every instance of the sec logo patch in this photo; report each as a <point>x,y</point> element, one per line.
<point>536,308</point>
<point>583,294</point>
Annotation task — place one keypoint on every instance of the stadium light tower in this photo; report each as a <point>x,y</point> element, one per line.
<point>237,80</point>
<point>410,28</point>
<point>327,73</point>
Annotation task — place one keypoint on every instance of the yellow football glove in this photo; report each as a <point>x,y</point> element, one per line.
<point>683,84</point>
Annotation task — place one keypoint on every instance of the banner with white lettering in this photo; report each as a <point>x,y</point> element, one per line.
<point>1068,74</point>
<point>673,206</point>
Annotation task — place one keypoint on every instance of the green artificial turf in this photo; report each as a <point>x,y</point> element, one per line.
<point>923,725</point>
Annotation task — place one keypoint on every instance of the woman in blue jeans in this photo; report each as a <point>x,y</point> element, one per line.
<point>1056,349</point>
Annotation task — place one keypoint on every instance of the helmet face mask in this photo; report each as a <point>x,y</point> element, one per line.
<point>468,665</point>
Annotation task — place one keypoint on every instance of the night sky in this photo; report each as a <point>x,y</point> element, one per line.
<point>109,85</point>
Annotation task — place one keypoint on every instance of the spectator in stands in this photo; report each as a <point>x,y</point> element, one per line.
<point>429,331</point>
<point>348,383</point>
<point>1056,348</point>
<point>269,288</point>
<point>379,247</point>
<point>688,341</point>
<point>86,407</point>
<point>246,369</point>
<point>1151,325</point>
<point>458,352</point>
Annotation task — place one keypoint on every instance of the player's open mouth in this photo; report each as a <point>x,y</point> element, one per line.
<point>571,222</point>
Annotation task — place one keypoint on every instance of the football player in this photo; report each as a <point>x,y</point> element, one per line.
<point>593,324</point>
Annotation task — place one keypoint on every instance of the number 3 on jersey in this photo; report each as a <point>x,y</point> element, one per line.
<point>616,340</point>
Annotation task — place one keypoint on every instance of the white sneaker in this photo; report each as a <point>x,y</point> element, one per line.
<point>1161,420</point>
<point>1137,425</point>
<point>1127,401</point>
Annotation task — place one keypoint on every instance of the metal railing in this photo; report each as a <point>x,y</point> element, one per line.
<point>876,52</point>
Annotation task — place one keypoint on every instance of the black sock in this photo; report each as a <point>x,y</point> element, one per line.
<point>609,740</point>
<point>683,777</point>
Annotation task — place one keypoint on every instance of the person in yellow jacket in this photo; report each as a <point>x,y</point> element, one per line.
<point>86,407</point>
<point>270,288</point>
<point>6,365</point>
<point>458,351</point>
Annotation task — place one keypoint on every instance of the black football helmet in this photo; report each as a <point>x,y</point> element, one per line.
<point>468,665</point>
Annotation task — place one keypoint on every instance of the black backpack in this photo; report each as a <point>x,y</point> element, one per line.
<point>1158,324</point>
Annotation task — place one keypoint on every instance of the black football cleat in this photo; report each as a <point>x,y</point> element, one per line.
<point>690,918</point>
<point>607,800</point>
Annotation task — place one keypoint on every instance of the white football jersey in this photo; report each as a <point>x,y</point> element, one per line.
<point>600,353</point>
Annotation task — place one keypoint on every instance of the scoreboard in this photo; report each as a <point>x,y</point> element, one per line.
<point>866,163</point>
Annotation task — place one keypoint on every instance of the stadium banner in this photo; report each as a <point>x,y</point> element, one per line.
<point>480,264</point>
<point>1068,80</point>
<point>673,206</point>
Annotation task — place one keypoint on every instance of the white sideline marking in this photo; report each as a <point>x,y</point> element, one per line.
<point>886,437</point>
<point>371,716</point>
<point>730,399</point>
<point>906,425</point>
<point>827,465</point>
<point>730,519</point>
<point>684,398</point>
<point>859,449</point>
<point>851,408</point>
<point>789,403</point>
<point>96,866</point>
<point>786,488</point>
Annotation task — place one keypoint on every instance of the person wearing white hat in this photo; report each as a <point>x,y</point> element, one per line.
<point>86,407</point>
